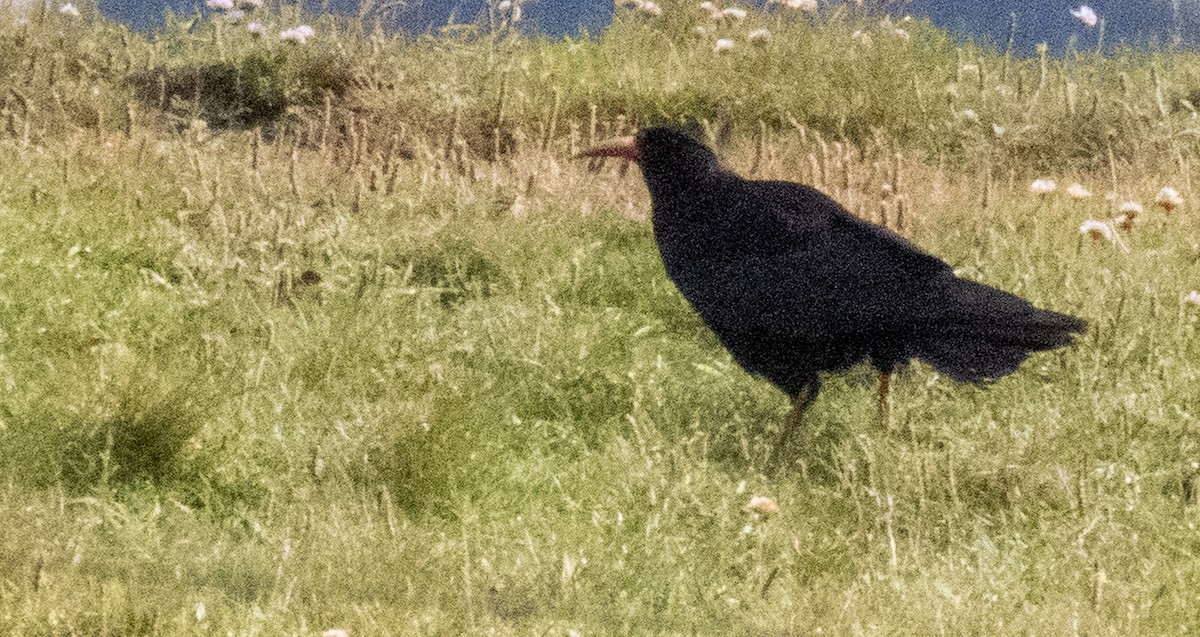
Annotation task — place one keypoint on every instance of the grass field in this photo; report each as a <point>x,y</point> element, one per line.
<point>334,335</point>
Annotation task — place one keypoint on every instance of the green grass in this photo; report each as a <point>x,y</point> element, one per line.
<point>348,369</point>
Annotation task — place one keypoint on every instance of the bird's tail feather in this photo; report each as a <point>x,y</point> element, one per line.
<point>991,332</point>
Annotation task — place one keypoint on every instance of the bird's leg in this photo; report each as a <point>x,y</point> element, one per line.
<point>885,412</point>
<point>800,404</point>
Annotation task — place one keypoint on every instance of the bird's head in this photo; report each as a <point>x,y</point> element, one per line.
<point>670,158</point>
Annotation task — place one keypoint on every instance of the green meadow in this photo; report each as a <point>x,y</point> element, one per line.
<point>335,335</point>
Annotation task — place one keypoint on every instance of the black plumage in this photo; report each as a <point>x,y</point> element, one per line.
<point>794,286</point>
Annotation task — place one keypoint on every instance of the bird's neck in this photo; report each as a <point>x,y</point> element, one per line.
<point>671,189</point>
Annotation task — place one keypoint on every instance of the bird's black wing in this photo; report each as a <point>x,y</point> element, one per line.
<point>815,271</point>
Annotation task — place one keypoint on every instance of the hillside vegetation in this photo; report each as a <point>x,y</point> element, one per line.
<point>328,332</point>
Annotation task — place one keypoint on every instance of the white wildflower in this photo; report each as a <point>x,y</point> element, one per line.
<point>1130,211</point>
<point>1097,230</point>
<point>336,632</point>
<point>235,16</point>
<point>201,613</point>
<point>69,9</point>
<point>1042,187</point>
<point>299,35</point>
<point>256,29</point>
<point>1078,191</point>
<point>861,36</point>
<point>1131,208</point>
<point>902,34</point>
<point>734,12</point>
<point>219,5</point>
<point>763,505</point>
<point>997,130</point>
<point>970,116</point>
<point>759,36</point>
<point>723,45</point>
<point>713,11</point>
<point>1086,15</point>
<point>651,8</point>
<point>1168,199</point>
<point>504,5</point>
<point>1193,298</point>
<point>803,5</point>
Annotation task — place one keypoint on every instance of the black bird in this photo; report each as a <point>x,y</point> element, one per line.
<point>795,286</point>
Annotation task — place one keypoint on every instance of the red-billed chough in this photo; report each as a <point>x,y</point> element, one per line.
<point>795,286</point>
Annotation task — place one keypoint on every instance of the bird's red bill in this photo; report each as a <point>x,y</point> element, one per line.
<point>623,147</point>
